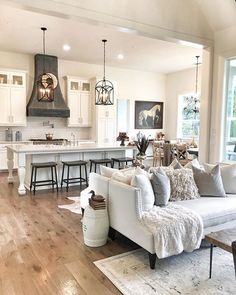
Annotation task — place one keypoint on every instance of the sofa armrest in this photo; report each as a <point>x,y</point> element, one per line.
<point>125,212</point>
<point>124,199</point>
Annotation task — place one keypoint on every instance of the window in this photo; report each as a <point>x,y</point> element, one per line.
<point>188,116</point>
<point>230,121</point>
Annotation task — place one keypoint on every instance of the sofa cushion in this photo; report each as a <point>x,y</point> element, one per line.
<point>228,174</point>
<point>107,171</point>
<point>214,211</point>
<point>126,175</point>
<point>209,184</point>
<point>161,187</point>
<point>141,181</point>
<point>182,184</point>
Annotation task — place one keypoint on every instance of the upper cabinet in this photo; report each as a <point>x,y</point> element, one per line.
<point>12,98</point>
<point>79,102</point>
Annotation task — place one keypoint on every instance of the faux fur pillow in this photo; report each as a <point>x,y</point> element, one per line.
<point>182,184</point>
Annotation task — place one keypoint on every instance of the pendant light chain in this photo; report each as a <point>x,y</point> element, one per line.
<point>104,59</point>
<point>197,63</point>
<point>44,51</point>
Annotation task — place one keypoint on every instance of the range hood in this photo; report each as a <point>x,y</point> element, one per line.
<point>41,108</point>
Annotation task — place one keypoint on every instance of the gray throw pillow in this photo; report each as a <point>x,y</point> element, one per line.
<point>161,187</point>
<point>209,184</point>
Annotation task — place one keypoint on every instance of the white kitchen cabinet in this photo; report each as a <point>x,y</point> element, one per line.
<point>12,98</point>
<point>79,102</point>
<point>106,124</point>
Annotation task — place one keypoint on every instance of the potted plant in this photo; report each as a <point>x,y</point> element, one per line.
<point>142,143</point>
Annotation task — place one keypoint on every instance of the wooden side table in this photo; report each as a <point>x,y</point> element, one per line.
<point>224,239</point>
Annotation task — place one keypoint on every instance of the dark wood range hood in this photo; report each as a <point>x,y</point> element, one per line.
<point>55,108</point>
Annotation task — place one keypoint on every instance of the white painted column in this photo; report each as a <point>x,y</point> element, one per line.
<point>21,174</point>
<point>10,165</point>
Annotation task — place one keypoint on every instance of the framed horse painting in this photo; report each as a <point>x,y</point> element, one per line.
<point>148,115</point>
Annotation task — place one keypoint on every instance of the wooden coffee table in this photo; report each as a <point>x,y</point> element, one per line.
<point>224,239</point>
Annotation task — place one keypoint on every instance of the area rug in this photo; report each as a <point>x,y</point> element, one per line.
<point>74,207</point>
<point>186,273</point>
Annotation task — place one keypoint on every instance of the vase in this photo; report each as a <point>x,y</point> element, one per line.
<point>140,158</point>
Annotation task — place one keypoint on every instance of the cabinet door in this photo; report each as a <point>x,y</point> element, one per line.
<point>18,106</point>
<point>17,79</point>
<point>74,106</point>
<point>5,117</point>
<point>110,131</point>
<point>106,131</point>
<point>85,110</point>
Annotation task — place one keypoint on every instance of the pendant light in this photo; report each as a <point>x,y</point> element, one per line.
<point>45,80</point>
<point>104,90</point>
<point>193,101</point>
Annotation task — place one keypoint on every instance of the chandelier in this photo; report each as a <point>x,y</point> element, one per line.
<point>193,101</point>
<point>46,81</point>
<point>104,90</point>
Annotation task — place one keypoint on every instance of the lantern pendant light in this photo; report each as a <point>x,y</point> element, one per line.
<point>45,80</point>
<point>193,101</point>
<point>104,90</point>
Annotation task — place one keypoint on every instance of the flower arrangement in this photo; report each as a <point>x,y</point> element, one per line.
<point>142,143</point>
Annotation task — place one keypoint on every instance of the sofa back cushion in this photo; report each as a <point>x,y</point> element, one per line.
<point>142,182</point>
<point>209,184</point>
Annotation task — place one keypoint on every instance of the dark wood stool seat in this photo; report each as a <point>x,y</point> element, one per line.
<point>68,179</point>
<point>120,161</point>
<point>99,162</point>
<point>34,182</point>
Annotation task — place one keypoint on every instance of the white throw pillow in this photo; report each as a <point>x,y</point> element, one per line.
<point>141,181</point>
<point>124,175</point>
<point>107,171</point>
<point>228,174</point>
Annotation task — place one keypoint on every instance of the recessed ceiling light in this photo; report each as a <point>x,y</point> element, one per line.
<point>120,56</point>
<point>66,47</point>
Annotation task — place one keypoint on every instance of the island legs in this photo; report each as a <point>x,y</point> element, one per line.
<point>21,174</point>
<point>10,165</point>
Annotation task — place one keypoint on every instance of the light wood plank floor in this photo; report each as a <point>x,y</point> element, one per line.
<point>42,249</point>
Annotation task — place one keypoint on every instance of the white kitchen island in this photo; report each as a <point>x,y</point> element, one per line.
<point>28,154</point>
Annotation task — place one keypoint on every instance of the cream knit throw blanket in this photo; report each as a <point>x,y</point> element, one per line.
<point>175,229</point>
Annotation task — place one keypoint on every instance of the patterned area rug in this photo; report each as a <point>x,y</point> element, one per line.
<point>74,207</point>
<point>186,273</point>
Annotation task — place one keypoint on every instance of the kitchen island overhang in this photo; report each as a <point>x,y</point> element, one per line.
<point>27,154</point>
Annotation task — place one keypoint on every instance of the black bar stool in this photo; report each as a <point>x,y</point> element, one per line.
<point>79,179</point>
<point>120,161</point>
<point>34,182</point>
<point>99,162</point>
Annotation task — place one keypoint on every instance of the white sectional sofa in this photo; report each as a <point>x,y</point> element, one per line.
<point>125,210</point>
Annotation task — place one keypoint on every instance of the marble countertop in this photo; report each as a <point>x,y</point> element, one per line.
<point>78,147</point>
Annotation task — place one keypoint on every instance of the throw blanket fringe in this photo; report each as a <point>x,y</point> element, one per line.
<point>175,229</point>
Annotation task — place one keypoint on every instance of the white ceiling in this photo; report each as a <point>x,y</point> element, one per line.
<point>20,32</point>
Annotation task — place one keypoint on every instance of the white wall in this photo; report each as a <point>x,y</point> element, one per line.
<point>132,85</point>
<point>225,47</point>
<point>179,83</point>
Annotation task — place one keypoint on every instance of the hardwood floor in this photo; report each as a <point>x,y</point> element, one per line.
<point>42,248</point>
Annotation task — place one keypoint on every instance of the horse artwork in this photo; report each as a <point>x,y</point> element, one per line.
<point>148,115</point>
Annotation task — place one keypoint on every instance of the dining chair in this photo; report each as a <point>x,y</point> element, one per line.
<point>158,153</point>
